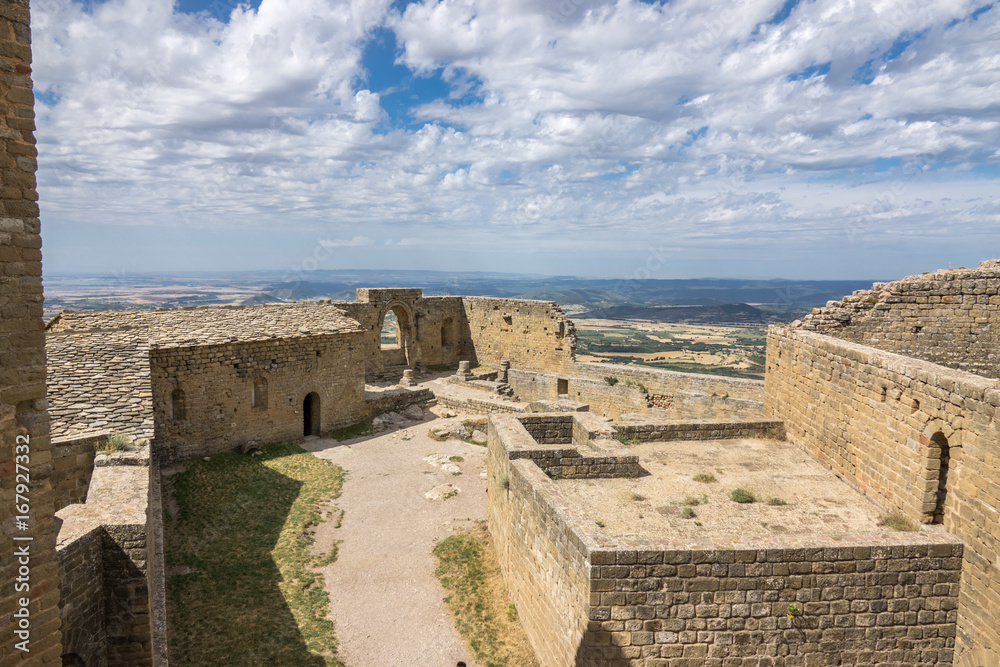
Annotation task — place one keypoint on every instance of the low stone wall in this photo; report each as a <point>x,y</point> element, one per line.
<point>701,430</point>
<point>104,548</point>
<point>549,429</point>
<point>642,390</point>
<point>586,597</point>
<point>81,591</point>
<point>879,420</point>
<point>395,400</point>
<point>885,605</point>
<point>73,465</point>
<point>479,406</point>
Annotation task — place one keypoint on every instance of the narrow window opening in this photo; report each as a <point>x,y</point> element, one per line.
<point>562,387</point>
<point>258,394</point>
<point>883,395</point>
<point>177,405</point>
<point>941,450</point>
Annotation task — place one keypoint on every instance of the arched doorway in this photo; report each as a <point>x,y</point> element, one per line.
<point>941,450</point>
<point>395,335</point>
<point>310,414</point>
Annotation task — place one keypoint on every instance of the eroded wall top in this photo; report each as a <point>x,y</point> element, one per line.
<point>950,317</point>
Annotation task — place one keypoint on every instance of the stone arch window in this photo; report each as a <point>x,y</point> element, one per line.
<point>258,394</point>
<point>941,450</point>
<point>178,410</point>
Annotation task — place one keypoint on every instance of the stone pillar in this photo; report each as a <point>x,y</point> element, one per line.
<point>504,367</point>
<point>464,372</point>
<point>24,421</point>
<point>407,380</point>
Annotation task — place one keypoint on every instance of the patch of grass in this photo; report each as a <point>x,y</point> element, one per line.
<point>694,501</point>
<point>611,380</point>
<point>478,601</point>
<point>441,368</point>
<point>244,530</point>
<point>705,478</point>
<point>743,496</point>
<point>688,513</point>
<point>504,482</point>
<point>434,434</point>
<point>456,459</point>
<point>638,497</point>
<point>352,431</point>
<point>773,500</point>
<point>897,521</point>
<point>116,442</point>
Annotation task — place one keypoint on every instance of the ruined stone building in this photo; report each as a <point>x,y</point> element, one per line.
<point>884,402</point>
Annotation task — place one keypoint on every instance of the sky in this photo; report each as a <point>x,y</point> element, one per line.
<point>824,139</point>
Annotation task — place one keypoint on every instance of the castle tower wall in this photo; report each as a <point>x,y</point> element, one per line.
<point>24,423</point>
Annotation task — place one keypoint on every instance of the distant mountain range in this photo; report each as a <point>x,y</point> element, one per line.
<point>690,300</point>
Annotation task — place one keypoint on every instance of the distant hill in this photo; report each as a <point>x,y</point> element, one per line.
<point>698,300</point>
<point>730,313</point>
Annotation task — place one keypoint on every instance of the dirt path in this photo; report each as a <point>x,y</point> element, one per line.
<point>385,601</point>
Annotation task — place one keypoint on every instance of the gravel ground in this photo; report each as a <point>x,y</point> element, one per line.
<point>385,601</point>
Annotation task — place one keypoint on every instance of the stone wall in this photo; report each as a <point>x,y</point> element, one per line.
<point>643,391</point>
<point>700,430</point>
<point>104,549</point>
<point>22,363</point>
<point>73,466</point>
<point>949,317</point>
<point>878,419</point>
<point>99,380</point>
<point>533,335</point>
<point>543,562</point>
<point>431,326</point>
<point>865,605</point>
<point>586,598</point>
<point>81,587</point>
<point>219,408</point>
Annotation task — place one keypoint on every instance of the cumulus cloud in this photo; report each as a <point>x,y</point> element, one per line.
<point>621,119</point>
<point>346,243</point>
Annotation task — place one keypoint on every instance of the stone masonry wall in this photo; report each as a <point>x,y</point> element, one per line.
<point>431,326</point>
<point>701,430</point>
<point>543,562</point>
<point>22,363</point>
<point>949,317</point>
<point>644,391</point>
<point>533,335</point>
<point>81,584</point>
<point>852,605</point>
<point>73,466</point>
<point>588,599</point>
<point>217,382</point>
<point>873,417</point>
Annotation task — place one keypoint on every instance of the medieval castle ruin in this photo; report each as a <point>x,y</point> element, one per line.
<point>883,402</point>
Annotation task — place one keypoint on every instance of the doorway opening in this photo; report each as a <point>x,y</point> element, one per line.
<point>310,414</point>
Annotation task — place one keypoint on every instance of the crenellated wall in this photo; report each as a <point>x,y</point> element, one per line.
<point>879,419</point>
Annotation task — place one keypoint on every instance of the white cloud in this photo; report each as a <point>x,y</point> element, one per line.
<point>621,120</point>
<point>346,243</point>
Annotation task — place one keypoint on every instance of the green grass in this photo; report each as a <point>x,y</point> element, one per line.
<point>352,431</point>
<point>244,529</point>
<point>705,478</point>
<point>773,500</point>
<point>743,496</point>
<point>478,601</point>
<point>897,521</point>
<point>116,442</point>
<point>688,513</point>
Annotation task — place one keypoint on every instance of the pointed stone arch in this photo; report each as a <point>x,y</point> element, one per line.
<point>941,447</point>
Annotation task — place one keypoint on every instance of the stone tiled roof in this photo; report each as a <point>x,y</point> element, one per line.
<point>180,327</point>
<point>99,381</point>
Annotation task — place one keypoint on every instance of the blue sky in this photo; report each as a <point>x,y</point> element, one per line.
<point>762,138</point>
